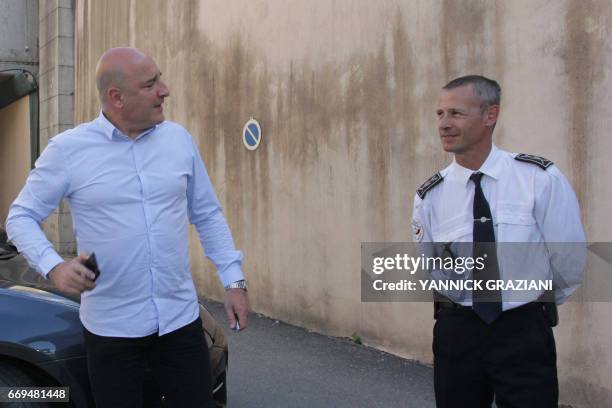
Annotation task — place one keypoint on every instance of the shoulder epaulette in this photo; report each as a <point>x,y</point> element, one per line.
<point>537,160</point>
<point>429,184</point>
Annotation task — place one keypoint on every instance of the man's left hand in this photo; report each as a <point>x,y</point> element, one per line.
<point>237,304</point>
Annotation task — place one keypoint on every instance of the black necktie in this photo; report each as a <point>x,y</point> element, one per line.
<point>486,303</point>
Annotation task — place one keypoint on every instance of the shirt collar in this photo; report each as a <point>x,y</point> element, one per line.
<point>109,129</point>
<point>491,167</point>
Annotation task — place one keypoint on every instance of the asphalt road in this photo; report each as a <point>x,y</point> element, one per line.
<point>273,364</point>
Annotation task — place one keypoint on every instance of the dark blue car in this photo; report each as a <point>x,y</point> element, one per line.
<point>41,338</point>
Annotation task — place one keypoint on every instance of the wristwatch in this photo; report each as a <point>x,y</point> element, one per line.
<point>241,284</point>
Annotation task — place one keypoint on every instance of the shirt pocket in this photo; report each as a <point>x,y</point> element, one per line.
<point>453,230</point>
<point>515,222</point>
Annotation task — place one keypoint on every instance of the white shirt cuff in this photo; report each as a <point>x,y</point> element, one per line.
<point>48,261</point>
<point>232,274</point>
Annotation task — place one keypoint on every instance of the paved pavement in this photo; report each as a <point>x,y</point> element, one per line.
<point>273,364</point>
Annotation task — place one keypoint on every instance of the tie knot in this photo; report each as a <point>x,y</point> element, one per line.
<point>475,177</point>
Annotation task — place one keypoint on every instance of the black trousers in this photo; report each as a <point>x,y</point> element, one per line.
<point>179,361</point>
<point>513,359</point>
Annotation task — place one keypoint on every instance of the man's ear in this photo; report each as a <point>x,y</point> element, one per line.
<point>115,97</point>
<point>491,115</point>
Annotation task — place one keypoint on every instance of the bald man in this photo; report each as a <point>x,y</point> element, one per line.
<point>132,181</point>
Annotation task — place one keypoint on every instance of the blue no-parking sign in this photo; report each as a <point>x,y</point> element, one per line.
<point>251,134</point>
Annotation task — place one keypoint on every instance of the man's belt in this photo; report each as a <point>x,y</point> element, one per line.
<point>548,308</point>
<point>447,304</point>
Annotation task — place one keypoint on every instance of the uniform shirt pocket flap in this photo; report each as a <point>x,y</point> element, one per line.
<point>452,230</point>
<point>517,218</point>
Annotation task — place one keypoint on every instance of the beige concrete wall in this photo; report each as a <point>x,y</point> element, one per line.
<point>14,151</point>
<point>345,92</point>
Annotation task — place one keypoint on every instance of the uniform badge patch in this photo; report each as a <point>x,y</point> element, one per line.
<point>537,160</point>
<point>429,184</point>
<point>417,231</point>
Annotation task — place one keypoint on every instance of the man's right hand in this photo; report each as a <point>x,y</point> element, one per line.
<point>72,277</point>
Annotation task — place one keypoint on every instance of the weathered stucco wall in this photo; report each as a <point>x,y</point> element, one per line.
<point>14,151</point>
<point>18,35</point>
<point>345,92</point>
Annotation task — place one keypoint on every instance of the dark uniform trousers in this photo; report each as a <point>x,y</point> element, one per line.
<point>513,359</point>
<point>179,361</point>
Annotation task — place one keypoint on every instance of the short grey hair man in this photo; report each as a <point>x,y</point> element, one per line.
<point>487,90</point>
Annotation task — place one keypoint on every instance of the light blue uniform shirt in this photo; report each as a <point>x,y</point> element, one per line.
<point>131,200</point>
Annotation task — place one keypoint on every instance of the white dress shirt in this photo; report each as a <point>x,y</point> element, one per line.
<point>131,202</point>
<point>529,204</point>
